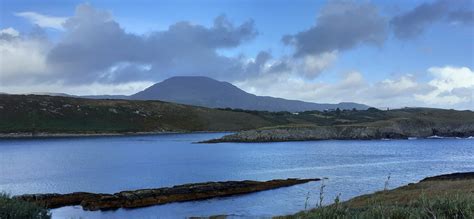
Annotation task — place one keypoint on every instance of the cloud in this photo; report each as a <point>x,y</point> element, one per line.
<point>9,32</point>
<point>95,55</point>
<point>21,57</point>
<point>412,23</point>
<point>94,43</point>
<point>313,65</point>
<point>451,86</point>
<point>94,88</point>
<point>43,20</point>
<point>340,25</point>
<point>95,49</point>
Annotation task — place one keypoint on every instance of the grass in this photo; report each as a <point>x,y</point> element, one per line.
<point>426,199</point>
<point>13,209</point>
<point>445,206</point>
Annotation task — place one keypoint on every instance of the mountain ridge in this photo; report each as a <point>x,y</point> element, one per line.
<point>208,92</point>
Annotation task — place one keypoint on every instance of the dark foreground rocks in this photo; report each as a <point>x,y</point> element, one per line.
<point>148,197</point>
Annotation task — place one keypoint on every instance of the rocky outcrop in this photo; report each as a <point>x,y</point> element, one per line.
<point>148,197</point>
<point>451,176</point>
<point>399,129</point>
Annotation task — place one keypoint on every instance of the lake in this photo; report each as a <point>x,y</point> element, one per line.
<point>112,164</point>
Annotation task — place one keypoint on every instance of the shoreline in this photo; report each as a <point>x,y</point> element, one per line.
<point>40,135</point>
<point>220,140</point>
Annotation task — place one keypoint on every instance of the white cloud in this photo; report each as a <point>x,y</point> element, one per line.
<point>447,83</point>
<point>313,65</point>
<point>22,58</point>
<point>9,31</point>
<point>43,20</point>
<point>450,87</point>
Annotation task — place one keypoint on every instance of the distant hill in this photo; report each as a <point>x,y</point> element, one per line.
<point>207,92</point>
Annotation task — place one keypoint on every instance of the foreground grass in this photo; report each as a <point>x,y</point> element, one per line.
<point>426,199</point>
<point>13,209</point>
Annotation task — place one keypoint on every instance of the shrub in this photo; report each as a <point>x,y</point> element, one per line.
<point>12,209</point>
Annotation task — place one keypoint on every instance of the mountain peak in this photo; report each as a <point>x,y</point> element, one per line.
<point>208,92</point>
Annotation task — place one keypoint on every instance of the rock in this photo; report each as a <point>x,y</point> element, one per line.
<point>399,129</point>
<point>55,200</point>
<point>451,176</point>
<point>148,197</point>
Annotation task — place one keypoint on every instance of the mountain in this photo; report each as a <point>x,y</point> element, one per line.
<point>207,92</point>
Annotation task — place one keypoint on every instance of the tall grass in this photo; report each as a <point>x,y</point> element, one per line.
<point>17,209</point>
<point>456,206</point>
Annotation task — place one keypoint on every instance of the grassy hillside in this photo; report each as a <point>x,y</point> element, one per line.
<point>57,114</point>
<point>33,113</point>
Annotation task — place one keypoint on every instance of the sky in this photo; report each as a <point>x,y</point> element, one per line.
<point>380,53</point>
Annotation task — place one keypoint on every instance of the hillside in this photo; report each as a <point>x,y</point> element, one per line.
<point>207,92</point>
<point>36,115</point>
<point>57,114</point>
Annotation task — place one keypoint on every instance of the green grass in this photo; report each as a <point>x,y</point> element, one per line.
<point>16,209</point>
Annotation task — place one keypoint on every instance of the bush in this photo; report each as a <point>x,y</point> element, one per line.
<point>13,209</point>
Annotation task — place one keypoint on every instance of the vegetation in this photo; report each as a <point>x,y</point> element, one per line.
<point>13,209</point>
<point>446,206</point>
<point>361,124</point>
<point>55,114</point>
<point>426,199</point>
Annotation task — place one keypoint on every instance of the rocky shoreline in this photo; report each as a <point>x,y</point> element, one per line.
<point>451,176</point>
<point>158,196</point>
<point>398,130</point>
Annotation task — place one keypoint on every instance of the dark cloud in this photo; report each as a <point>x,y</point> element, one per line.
<point>340,25</point>
<point>256,66</point>
<point>415,21</point>
<point>95,46</point>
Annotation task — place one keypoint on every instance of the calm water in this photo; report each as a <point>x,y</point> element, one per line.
<point>111,164</point>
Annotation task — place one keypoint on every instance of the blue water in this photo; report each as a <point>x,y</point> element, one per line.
<point>111,164</point>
